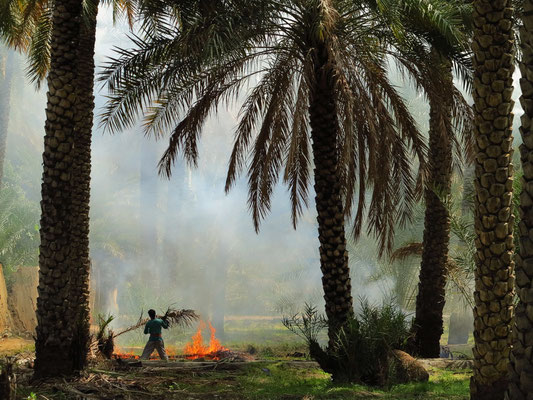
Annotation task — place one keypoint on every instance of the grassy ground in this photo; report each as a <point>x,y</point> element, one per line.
<point>15,345</point>
<point>257,381</point>
<point>275,378</point>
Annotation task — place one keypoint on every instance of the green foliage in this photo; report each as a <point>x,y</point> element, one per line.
<point>362,346</point>
<point>364,343</point>
<point>308,325</point>
<point>181,72</point>
<point>19,232</point>
<point>104,336</point>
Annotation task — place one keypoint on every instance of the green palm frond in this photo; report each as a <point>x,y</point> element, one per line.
<point>193,57</point>
<point>39,51</point>
<point>19,236</point>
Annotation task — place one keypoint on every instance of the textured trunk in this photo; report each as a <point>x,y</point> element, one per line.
<point>521,376</point>
<point>81,182</point>
<point>493,87</point>
<point>7,67</point>
<point>430,299</point>
<point>333,254</point>
<point>56,315</point>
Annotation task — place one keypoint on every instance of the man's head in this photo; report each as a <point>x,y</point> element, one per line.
<point>151,313</point>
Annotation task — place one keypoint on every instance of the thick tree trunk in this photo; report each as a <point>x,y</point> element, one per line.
<point>493,87</point>
<point>81,182</point>
<point>333,254</point>
<point>56,315</point>
<point>428,325</point>
<point>521,375</point>
<point>8,61</point>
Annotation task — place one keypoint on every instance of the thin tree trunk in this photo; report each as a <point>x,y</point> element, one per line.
<point>56,315</point>
<point>493,69</point>
<point>8,61</point>
<point>430,300</point>
<point>81,182</point>
<point>521,375</point>
<point>333,255</point>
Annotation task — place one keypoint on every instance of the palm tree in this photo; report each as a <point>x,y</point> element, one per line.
<point>430,300</point>
<point>449,123</point>
<point>521,367</point>
<point>493,68</point>
<point>81,176</point>
<point>29,26</point>
<point>321,63</point>
<point>56,351</point>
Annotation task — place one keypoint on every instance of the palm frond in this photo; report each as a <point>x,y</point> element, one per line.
<point>407,250</point>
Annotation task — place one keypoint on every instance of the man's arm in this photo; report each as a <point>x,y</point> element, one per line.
<point>164,324</point>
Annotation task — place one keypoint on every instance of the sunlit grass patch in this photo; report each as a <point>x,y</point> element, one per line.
<point>443,384</point>
<point>285,381</point>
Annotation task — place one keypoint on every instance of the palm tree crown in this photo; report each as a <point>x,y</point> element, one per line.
<point>201,57</point>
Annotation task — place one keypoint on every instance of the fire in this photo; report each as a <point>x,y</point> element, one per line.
<point>197,349</point>
<point>130,355</point>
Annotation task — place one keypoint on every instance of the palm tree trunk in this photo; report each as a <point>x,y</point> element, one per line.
<point>56,316</point>
<point>521,375</point>
<point>330,209</point>
<point>8,60</point>
<point>493,68</point>
<point>430,299</point>
<point>81,181</point>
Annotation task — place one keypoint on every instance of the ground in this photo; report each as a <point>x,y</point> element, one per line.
<point>282,374</point>
<point>14,345</point>
<point>284,379</point>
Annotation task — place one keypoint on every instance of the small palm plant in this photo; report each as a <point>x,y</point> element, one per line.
<point>363,347</point>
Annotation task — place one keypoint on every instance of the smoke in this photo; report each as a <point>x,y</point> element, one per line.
<point>182,241</point>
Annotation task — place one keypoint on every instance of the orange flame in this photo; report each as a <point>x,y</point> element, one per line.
<point>197,349</point>
<point>119,353</point>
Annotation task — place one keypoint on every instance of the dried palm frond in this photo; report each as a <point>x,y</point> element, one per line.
<point>180,317</point>
<point>408,250</point>
<point>140,322</point>
<point>173,317</point>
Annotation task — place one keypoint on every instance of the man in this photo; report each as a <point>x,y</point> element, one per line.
<point>155,342</point>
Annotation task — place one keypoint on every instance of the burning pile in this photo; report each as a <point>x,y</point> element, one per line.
<point>196,349</point>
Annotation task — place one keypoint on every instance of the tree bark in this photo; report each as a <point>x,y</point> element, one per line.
<point>8,61</point>
<point>56,314</point>
<point>430,300</point>
<point>81,182</point>
<point>521,361</point>
<point>333,255</point>
<point>493,87</point>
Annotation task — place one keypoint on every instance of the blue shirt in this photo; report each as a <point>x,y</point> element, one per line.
<point>153,327</point>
